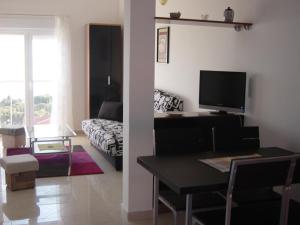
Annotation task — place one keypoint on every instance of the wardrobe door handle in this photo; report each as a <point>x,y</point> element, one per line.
<point>108,80</point>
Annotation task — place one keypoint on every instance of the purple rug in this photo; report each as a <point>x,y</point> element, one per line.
<point>56,164</point>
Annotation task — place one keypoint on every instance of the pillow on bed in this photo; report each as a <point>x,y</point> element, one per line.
<point>111,111</point>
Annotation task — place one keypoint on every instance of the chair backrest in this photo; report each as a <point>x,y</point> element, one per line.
<point>170,141</point>
<point>259,172</point>
<point>296,178</point>
<point>180,140</point>
<point>235,138</point>
<point>256,173</point>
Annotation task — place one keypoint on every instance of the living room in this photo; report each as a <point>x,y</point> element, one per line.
<point>267,52</point>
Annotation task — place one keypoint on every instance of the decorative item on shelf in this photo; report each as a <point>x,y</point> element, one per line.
<point>204,16</point>
<point>175,15</point>
<point>229,15</point>
<point>163,2</point>
<point>163,42</point>
<point>237,28</point>
<point>247,27</point>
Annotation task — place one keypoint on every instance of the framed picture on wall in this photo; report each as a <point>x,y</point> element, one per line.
<point>163,43</point>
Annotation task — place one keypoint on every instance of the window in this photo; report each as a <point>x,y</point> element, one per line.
<point>44,77</point>
<point>28,71</point>
<point>12,80</point>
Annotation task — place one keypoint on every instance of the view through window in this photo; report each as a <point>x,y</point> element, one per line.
<point>44,77</point>
<point>12,80</point>
<point>27,79</point>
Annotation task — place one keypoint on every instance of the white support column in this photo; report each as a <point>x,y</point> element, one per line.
<point>139,56</point>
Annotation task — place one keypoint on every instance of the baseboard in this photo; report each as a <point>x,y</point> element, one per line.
<point>138,215</point>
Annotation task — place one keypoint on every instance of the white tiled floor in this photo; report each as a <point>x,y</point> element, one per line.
<point>77,200</point>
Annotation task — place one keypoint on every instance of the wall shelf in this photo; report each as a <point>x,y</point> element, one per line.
<point>236,25</point>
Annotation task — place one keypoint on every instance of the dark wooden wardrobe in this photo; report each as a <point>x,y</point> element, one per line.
<point>104,66</point>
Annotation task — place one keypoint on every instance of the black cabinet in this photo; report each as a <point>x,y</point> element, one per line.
<point>197,119</point>
<point>104,66</point>
<point>196,125</point>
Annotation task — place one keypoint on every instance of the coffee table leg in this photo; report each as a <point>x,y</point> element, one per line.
<point>32,141</point>
<point>70,150</point>
<point>30,145</point>
<point>155,200</point>
<point>189,206</point>
<point>70,144</point>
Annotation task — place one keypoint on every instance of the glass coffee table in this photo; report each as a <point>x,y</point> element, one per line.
<point>50,138</point>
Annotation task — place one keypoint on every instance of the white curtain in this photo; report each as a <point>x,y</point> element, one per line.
<point>63,101</point>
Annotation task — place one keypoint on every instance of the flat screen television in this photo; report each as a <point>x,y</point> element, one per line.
<point>223,91</point>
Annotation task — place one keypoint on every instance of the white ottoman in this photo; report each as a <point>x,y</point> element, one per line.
<point>20,171</point>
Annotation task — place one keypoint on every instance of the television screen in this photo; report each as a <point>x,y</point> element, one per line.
<point>222,90</point>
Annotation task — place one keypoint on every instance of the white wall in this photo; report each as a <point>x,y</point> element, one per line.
<point>271,56</point>
<point>269,53</point>
<point>80,13</point>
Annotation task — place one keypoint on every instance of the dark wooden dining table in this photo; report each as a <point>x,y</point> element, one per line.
<point>186,174</point>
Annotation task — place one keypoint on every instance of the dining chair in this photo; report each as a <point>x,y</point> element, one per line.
<point>183,140</point>
<point>293,207</point>
<point>240,139</point>
<point>180,141</point>
<point>250,174</point>
<point>296,178</point>
<point>294,216</point>
<point>232,139</point>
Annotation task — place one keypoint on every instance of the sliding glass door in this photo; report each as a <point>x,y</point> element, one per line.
<point>44,78</point>
<point>12,80</point>
<point>28,73</point>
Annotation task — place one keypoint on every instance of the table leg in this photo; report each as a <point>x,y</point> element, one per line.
<point>70,150</point>
<point>285,205</point>
<point>189,207</point>
<point>70,144</point>
<point>155,200</point>
<point>32,141</point>
<point>30,146</point>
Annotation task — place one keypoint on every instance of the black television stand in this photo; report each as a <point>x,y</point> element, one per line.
<point>205,120</point>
